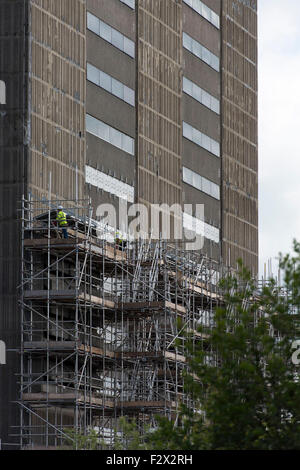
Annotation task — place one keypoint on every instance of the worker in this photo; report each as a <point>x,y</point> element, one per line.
<point>120,242</point>
<point>62,222</point>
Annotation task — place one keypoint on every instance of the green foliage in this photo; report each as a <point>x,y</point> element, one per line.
<point>247,395</point>
<point>131,438</point>
<point>127,437</point>
<point>79,441</point>
<point>249,392</point>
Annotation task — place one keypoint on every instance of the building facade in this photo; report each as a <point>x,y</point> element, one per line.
<point>191,118</point>
<point>148,101</point>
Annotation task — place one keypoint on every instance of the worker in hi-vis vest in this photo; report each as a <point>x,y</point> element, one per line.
<point>62,221</point>
<point>120,241</point>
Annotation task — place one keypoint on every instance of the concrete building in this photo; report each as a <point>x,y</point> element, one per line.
<point>151,101</point>
<point>178,80</point>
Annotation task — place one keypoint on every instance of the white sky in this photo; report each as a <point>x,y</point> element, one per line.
<point>279,126</point>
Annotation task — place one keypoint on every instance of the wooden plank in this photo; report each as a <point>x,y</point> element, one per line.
<point>44,242</point>
<point>174,357</point>
<point>68,295</point>
<point>97,351</point>
<point>108,251</point>
<point>144,354</point>
<point>147,404</point>
<point>67,345</point>
<point>52,294</point>
<point>158,305</point>
<point>51,345</point>
<point>96,300</point>
<point>69,396</point>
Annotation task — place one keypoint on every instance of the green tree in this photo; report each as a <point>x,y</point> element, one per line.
<point>80,441</point>
<point>249,393</point>
<point>127,437</point>
<point>131,438</point>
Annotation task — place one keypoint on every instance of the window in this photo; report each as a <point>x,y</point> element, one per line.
<point>206,186</point>
<point>110,35</point>
<point>187,131</point>
<point>199,182</point>
<point>117,39</point>
<point>109,184</point>
<point>201,52</point>
<point>109,134</point>
<point>204,11</point>
<point>187,86</point>
<point>215,63</point>
<point>206,55</point>
<point>93,74</point>
<point>215,147</point>
<point>206,99</point>
<point>197,93</point>
<point>105,82</point>
<point>118,89</point>
<point>206,142</point>
<point>215,19</point>
<point>201,139</point>
<point>129,3</point>
<point>187,42</point>
<point>197,136</point>
<point>111,85</point>
<point>200,227</point>
<point>129,96</point>
<point>215,191</point>
<point>93,24</point>
<point>127,144</point>
<point>115,137</point>
<point>105,31</point>
<point>92,125</point>
<point>215,105</point>
<point>197,49</point>
<point>187,176</point>
<point>128,47</point>
<point>200,95</point>
<point>103,131</point>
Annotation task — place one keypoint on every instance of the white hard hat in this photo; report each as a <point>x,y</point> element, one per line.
<point>60,207</point>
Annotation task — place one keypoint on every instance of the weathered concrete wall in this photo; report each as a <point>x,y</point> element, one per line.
<point>105,106</point>
<point>239,133</point>
<point>201,117</point>
<point>159,77</point>
<point>13,178</point>
<point>58,96</point>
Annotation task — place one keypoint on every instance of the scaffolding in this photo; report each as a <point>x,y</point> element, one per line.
<point>100,324</point>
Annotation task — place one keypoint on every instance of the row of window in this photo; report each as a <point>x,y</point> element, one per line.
<point>109,134</point>
<point>126,143</point>
<point>201,52</point>
<point>204,11</point>
<point>201,95</point>
<point>110,35</point>
<point>129,3</point>
<point>201,228</point>
<point>201,183</point>
<point>201,139</point>
<point>110,84</point>
<point>109,184</point>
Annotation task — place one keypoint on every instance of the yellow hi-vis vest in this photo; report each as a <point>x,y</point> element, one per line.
<point>61,219</point>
